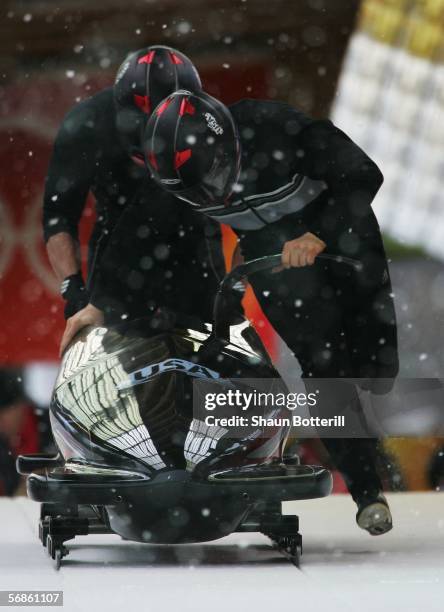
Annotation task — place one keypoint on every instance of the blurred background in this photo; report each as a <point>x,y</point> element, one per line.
<point>375,67</point>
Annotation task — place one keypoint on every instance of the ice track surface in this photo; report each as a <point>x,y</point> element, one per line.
<point>342,567</point>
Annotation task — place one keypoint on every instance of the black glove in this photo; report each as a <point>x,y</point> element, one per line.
<point>74,293</point>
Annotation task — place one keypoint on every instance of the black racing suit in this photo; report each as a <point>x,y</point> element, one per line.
<point>302,175</point>
<point>155,240</point>
<point>161,255</point>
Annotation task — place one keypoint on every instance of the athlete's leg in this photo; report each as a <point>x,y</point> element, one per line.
<point>305,310</point>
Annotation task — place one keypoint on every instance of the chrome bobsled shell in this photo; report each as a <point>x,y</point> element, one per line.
<point>123,398</point>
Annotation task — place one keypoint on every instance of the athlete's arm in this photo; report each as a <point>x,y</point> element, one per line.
<point>69,178</point>
<point>351,176</point>
<point>68,181</point>
<point>353,180</point>
<point>64,255</point>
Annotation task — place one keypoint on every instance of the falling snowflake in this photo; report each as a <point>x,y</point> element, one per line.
<point>184,27</point>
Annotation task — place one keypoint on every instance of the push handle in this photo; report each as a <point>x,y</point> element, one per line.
<point>26,464</point>
<point>221,325</point>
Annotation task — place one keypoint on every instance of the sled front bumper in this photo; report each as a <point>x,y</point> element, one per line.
<point>172,507</point>
<point>294,483</point>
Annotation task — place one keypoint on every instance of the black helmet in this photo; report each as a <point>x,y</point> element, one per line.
<point>191,146</point>
<point>144,79</point>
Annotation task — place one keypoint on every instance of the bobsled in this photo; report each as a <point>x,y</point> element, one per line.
<point>134,458</point>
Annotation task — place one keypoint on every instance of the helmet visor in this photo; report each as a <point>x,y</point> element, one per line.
<point>217,184</point>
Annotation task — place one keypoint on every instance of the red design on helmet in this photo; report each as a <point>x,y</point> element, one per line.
<point>163,106</point>
<point>146,59</point>
<point>186,107</point>
<point>175,58</point>
<point>181,157</point>
<point>143,102</point>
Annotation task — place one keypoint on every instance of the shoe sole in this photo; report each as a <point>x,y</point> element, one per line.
<point>376,519</point>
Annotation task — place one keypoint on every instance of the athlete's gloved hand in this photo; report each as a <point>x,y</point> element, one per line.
<point>74,293</point>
